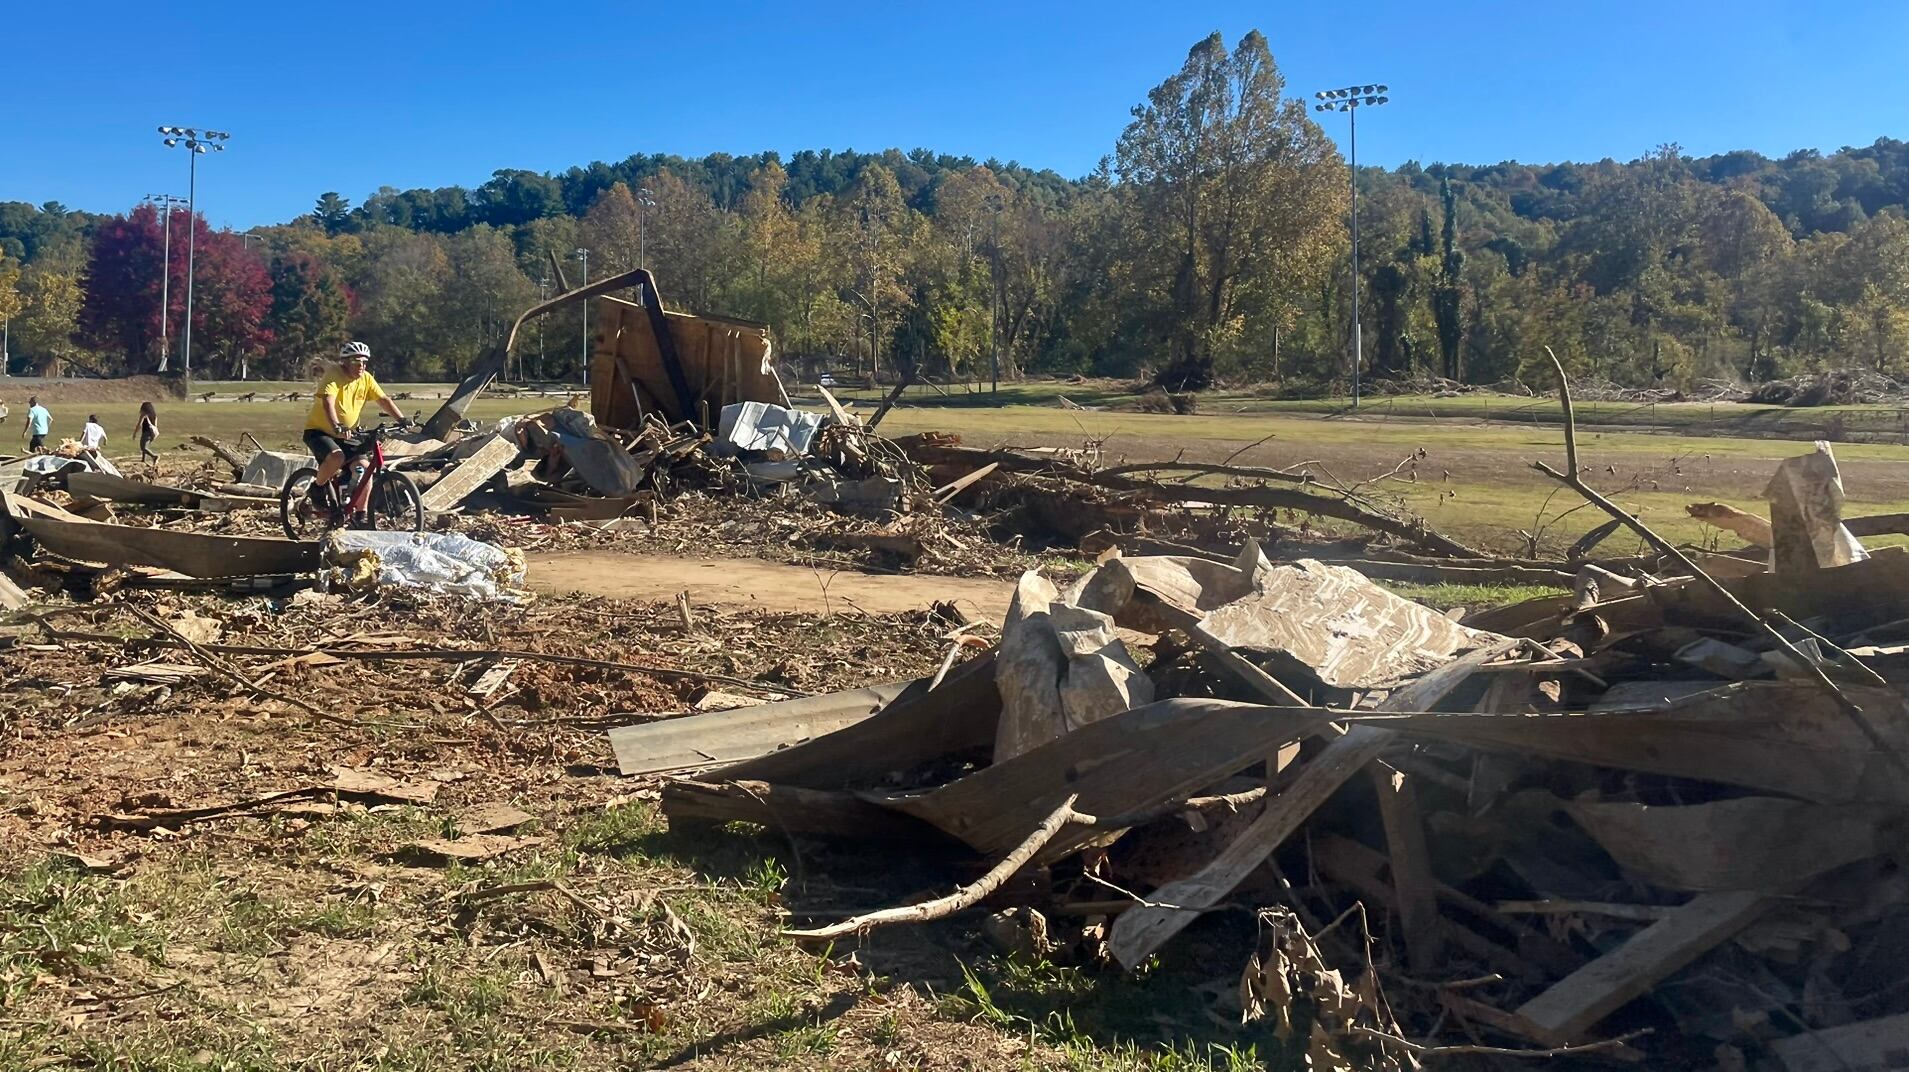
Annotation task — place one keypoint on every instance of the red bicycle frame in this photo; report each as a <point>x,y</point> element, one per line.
<point>361,495</point>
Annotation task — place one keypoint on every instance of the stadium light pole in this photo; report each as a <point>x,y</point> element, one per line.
<point>1349,100</point>
<point>644,202</point>
<point>584,255</point>
<point>196,145</point>
<point>165,203</point>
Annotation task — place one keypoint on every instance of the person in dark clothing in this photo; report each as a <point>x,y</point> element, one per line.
<point>148,431</point>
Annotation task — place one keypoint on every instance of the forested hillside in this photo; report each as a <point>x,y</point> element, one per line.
<point>1211,244</point>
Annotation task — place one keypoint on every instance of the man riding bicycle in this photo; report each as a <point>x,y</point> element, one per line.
<point>334,414</point>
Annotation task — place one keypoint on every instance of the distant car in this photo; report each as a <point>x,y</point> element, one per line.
<point>826,380</point>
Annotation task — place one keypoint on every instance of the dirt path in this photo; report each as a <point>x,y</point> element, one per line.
<point>769,586</point>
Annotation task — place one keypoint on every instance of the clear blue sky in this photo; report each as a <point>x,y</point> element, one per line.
<point>347,96</point>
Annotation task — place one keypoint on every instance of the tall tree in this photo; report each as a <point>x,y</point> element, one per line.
<point>310,309</point>
<point>1448,297</point>
<point>332,212</point>
<point>1234,185</point>
<point>614,231</point>
<point>45,332</point>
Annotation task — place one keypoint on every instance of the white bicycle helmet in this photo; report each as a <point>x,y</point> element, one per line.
<point>354,349</point>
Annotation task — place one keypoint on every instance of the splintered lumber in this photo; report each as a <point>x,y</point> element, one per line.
<point>191,553</point>
<point>1137,759</point>
<point>471,473</point>
<point>1137,934</point>
<point>1880,1045</point>
<point>715,737</point>
<point>1775,736</point>
<point>921,725</point>
<point>1411,865</point>
<point>792,810</point>
<point>1579,1000</point>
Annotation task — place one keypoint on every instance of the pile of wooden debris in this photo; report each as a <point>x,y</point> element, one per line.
<point>1661,815</point>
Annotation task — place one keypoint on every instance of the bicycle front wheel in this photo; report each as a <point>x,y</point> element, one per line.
<point>396,504</point>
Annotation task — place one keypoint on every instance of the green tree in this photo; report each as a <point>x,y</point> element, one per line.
<point>1231,184</point>
<point>45,331</point>
<point>1448,298</point>
<point>332,212</point>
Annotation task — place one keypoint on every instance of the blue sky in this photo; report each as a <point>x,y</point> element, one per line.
<point>347,97</point>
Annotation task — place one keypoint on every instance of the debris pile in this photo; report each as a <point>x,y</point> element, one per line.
<point>1660,815</point>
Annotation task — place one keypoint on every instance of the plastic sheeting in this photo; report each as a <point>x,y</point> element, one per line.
<point>442,562</point>
<point>760,426</point>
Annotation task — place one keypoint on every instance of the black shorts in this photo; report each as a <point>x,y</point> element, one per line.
<point>321,444</point>
<point>36,442</point>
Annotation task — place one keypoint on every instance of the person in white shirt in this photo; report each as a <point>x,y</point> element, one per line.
<point>93,436</point>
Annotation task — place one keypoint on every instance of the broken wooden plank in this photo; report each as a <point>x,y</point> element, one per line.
<point>1127,762</point>
<point>791,809</point>
<point>1770,735</point>
<point>471,473</point>
<point>1411,865</point>
<point>12,596</point>
<point>672,744</point>
<point>920,725</point>
<point>191,553</point>
<point>948,491</point>
<point>1579,1000</point>
<point>1139,933</point>
<point>1879,1045</point>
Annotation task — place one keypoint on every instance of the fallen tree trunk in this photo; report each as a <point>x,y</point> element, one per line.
<point>1411,530</point>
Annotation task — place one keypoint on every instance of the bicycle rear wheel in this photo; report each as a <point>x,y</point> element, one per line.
<point>396,504</point>
<point>303,519</point>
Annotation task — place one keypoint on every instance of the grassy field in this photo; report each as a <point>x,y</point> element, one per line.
<point>1468,477</point>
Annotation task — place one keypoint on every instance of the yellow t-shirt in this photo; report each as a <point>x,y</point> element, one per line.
<point>351,397</point>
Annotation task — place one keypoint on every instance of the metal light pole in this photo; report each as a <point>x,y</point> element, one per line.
<point>165,203</point>
<point>644,202</point>
<point>543,290</point>
<point>196,144</point>
<point>584,255</point>
<point>1349,100</point>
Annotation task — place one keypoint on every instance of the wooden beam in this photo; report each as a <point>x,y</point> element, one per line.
<point>1411,865</point>
<point>1579,1000</point>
